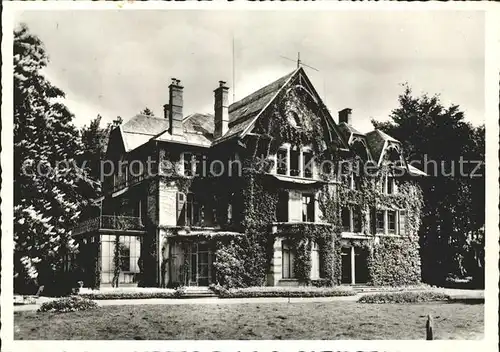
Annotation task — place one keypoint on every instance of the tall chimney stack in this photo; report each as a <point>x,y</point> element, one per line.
<point>166,111</point>
<point>345,116</point>
<point>221,109</point>
<point>175,107</point>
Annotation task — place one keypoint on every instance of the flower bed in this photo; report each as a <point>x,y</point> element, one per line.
<point>130,293</point>
<point>68,304</point>
<point>404,297</point>
<point>271,291</point>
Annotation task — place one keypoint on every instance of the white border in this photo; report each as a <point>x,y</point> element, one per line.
<point>492,77</point>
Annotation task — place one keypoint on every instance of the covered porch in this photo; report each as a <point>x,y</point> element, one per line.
<point>109,251</point>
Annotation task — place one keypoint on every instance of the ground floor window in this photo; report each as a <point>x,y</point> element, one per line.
<point>288,257</point>
<point>129,249</point>
<point>315,261</point>
<point>191,264</point>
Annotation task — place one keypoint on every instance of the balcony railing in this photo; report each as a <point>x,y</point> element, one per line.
<point>112,186</point>
<point>109,222</point>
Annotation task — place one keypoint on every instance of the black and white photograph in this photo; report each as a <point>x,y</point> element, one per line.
<point>224,174</point>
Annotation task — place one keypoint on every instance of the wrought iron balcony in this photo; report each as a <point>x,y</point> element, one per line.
<point>109,222</point>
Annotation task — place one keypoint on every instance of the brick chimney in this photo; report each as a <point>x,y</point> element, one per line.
<point>166,111</point>
<point>175,107</point>
<point>221,119</point>
<point>345,115</point>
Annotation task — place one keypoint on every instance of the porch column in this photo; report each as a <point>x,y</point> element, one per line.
<point>276,262</point>
<point>301,163</point>
<point>274,159</point>
<point>353,263</point>
<point>287,159</point>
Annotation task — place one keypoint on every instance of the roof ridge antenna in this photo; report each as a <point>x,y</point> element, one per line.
<point>299,62</point>
<point>234,74</point>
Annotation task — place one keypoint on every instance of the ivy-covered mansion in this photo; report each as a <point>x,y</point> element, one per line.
<point>268,190</point>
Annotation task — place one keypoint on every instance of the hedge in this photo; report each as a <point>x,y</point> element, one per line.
<point>270,291</point>
<point>404,297</point>
<point>68,304</point>
<point>164,293</point>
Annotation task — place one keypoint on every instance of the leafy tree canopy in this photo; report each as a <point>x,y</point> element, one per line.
<point>50,189</point>
<point>453,216</point>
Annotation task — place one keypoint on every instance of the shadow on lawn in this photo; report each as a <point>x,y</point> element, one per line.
<point>466,301</point>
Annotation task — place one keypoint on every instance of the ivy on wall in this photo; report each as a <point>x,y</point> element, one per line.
<point>391,260</point>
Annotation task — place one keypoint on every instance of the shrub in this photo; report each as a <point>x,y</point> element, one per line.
<point>241,262</point>
<point>68,304</point>
<point>404,297</point>
<point>180,292</point>
<point>136,294</point>
<point>270,291</point>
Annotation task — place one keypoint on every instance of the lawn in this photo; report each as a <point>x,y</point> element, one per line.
<point>329,320</point>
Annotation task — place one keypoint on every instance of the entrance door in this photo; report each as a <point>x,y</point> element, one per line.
<point>361,265</point>
<point>203,265</point>
<point>346,265</point>
<point>200,265</point>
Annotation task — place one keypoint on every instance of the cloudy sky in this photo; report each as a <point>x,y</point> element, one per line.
<point>118,62</point>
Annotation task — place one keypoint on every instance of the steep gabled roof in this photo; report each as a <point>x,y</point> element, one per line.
<point>144,124</point>
<point>347,131</point>
<point>244,112</point>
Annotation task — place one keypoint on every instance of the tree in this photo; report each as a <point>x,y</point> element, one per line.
<point>453,214</point>
<point>147,111</point>
<point>95,142</point>
<point>50,189</point>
